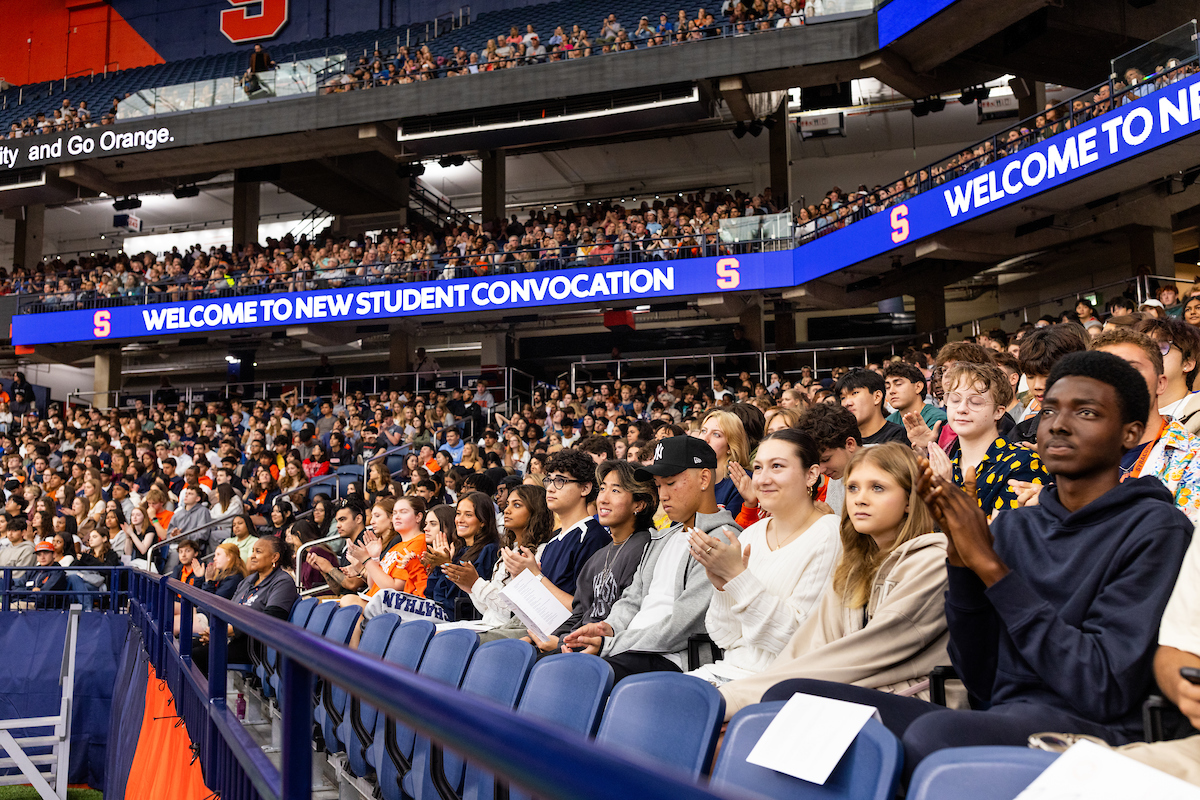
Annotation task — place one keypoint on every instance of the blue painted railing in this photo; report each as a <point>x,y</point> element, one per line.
<point>546,761</point>
<point>112,596</point>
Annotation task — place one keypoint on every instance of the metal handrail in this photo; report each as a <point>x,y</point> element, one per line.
<point>541,758</point>
<point>300,560</point>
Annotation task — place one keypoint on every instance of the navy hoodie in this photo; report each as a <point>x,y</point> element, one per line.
<point>1074,625</point>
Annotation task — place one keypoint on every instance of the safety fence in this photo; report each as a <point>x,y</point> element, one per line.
<point>543,760</point>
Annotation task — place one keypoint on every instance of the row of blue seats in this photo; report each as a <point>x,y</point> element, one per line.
<point>669,719</point>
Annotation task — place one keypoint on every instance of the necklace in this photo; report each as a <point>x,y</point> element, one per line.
<point>613,554</point>
<point>779,545</point>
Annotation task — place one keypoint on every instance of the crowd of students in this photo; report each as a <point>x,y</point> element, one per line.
<point>1021,517</point>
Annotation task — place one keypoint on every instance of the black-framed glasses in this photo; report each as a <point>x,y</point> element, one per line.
<point>557,482</point>
<point>1164,346</point>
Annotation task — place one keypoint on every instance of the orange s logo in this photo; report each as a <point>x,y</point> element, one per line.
<point>899,223</point>
<point>101,324</point>
<point>239,25</point>
<point>728,273</point>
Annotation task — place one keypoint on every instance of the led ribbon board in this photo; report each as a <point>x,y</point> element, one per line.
<point>901,16</point>
<point>500,292</point>
<point>1165,116</point>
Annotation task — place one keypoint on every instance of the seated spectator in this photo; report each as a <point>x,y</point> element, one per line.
<point>243,536</point>
<point>46,579</point>
<point>391,549</point>
<point>1041,349</point>
<point>835,432</point>
<point>188,569</point>
<point>976,397</point>
<point>528,527</point>
<point>880,624</point>
<point>1165,450</point>
<point>454,444</point>
<point>1088,569</point>
<point>626,507</point>
<point>861,391</point>
<point>1181,362</point>
<point>648,628</point>
<point>726,435</point>
<point>18,553</point>
<point>769,580</point>
<point>317,463</point>
<point>570,485</point>
<point>474,540</point>
<point>267,587</point>
<point>225,572</point>
<point>280,518</point>
<point>344,576</point>
<point>190,516</point>
<point>906,389</point>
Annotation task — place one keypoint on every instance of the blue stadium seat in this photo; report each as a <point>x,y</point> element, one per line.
<point>376,635</point>
<point>340,630</point>
<point>407,648</point>
<point>445,660</point>
<point>667,717</point>
<point>301,610</point>
<point>346,476</point>
<point>498,672</point>
<point>980,773</point>
<point>870,769</point>
<point>318,621</point>
<point>395,463</point>
<point>566,689</point>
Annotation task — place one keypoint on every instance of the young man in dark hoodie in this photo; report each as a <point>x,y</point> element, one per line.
<point>647,630</point>
<point>1053,609</point>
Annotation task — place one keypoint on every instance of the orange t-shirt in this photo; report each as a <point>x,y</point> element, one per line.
<point>412,571</point>
<point>164,518</point>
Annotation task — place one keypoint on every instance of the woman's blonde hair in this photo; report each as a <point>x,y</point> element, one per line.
<point>236,564</point>
<point>861,557</point>
<point>735,435</point>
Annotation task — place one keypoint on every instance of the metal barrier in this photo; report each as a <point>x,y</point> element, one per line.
<point>544,760</point>
<point>114,595</point>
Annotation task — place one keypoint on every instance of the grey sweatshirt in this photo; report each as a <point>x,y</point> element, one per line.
<point>667,636</point>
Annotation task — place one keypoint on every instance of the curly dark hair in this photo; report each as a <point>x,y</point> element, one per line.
<point>578,465</point>
<point>830,426</point>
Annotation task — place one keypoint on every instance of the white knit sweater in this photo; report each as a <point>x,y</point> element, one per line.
<point>759,610</point>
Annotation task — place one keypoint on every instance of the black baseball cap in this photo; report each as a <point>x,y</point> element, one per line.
<point>675,454</point>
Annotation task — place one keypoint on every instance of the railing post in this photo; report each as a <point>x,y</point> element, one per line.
<point>7,578</point>
<point>185,631</point>
<point>295,698</point>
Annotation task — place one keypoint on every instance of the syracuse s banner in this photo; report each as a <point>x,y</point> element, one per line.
<point>500,292</point>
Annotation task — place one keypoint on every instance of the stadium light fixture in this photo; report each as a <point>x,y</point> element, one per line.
<point>693,97</point>
<point>739,130</point>
<point>755,127</point>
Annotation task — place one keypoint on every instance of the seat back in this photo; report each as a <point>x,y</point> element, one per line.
<point>394,462</point>
<point>341,624</point>
<point>567,690</point>
<point>445,660</point>
<point>667,717</point>
<point>406,648</point>
<point>870,769</point>
<point>376,635</point>
<point>301,610</point>
<point>981,773</point>
<point>498,672</point>
<point>318,621</point>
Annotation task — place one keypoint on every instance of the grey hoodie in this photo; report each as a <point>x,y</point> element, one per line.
<point>693,593</point>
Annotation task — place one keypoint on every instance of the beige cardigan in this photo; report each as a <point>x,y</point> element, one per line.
<point>903,638</point>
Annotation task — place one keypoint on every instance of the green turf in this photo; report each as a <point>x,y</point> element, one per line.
<point>27,793</point>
